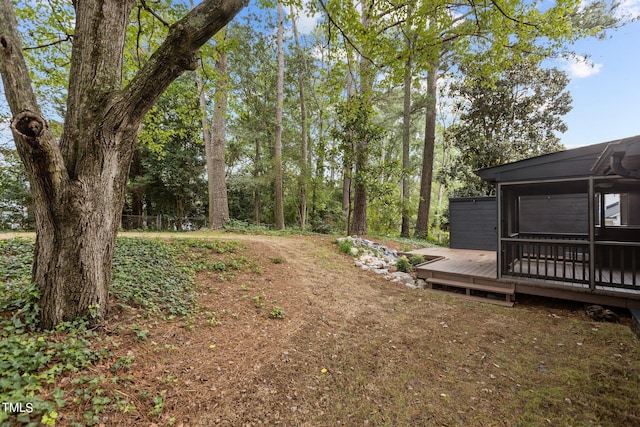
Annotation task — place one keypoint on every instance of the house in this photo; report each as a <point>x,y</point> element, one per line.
<point>564,225</point>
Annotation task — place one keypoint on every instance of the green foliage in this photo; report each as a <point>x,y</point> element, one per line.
<point>154,275</point>
<point>416,259</point>
<point>15,197</point>
<point>167,170</point>
<point>258,301</point>
<point>345,246</point>
<point>404,264</point>
<point>277,313</point>
<point>30,359</point>
<point>517,118</point>
<point>148,273</point>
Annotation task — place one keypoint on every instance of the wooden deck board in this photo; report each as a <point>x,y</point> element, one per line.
<point>460,261</point>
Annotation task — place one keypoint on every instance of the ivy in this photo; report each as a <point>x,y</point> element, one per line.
<point>154,275</point>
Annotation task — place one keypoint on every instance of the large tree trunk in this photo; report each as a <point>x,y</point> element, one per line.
<point>214,143</point>
<point>303,180</point>
<point>361,155</point>
<point>406,127</point>
<point>256,189</point>
<point>406,143</point>
<point>78,183</point>
<point>347,169</point>
<point>206,136</point>
<point>277,157</point>
<point>214,140</point>
<point>218,201</point>
<point>422,222</point>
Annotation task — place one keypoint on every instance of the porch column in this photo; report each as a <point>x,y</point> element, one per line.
<point>499,230</point>
<point>592,236</point>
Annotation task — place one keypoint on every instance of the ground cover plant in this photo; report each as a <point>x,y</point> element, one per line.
<point>227,329</point>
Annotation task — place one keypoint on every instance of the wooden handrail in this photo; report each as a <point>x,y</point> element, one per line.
<point>546,241</point>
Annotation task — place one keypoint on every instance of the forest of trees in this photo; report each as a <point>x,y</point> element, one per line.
<point>371,100</point>
<point>362,123</point>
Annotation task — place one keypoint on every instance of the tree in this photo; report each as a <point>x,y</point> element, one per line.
<point>215,136</point>
<point>78,182</point>
<point>492,37</point>
<point>15,199</point>
<point>253,74</point>
<point>426,177</point>
<point>519,117</point>
<point>277,148</point>
<point>167,174</point>
<point>303,180</point>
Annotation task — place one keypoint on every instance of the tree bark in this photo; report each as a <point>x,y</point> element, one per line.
<point>256,190</point>
<point>406,127</point>
<point>220,200</point>
<point>78,183</point>
<point>406,143</point>
<point>220,206</point>
<point>303,180</point>
<point>359,223</point>
<point>277,157</point>
<point>214,143</point>
<point>206,136</point>
<point>422,222</point>
<point>347,169</point>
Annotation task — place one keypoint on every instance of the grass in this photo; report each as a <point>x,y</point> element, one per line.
<point>419,372</point>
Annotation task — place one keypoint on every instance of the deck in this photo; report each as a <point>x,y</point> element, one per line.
<point>475,271</point>
<point>467,273</point>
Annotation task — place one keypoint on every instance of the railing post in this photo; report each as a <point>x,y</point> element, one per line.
<point>592,236</point>
<point>499,249</point>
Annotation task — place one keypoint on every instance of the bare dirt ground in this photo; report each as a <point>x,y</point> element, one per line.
<point>354,349</point>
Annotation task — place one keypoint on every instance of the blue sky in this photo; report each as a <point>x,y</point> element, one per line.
<point>606,97</point>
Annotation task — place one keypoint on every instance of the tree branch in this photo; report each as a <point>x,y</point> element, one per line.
<point>177,54</point>
<point>67,38</point>
<point>13,69</point>
<point>155,15</point>
<point>510,18</point>
<point>35,143</point>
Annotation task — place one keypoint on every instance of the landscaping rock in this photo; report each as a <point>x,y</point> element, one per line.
<point>372,256</point>
<point>403,277</point>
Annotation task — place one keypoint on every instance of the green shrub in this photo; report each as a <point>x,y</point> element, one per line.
<point>345,246</point>
<point>403,264</point>
<point>417,259</point>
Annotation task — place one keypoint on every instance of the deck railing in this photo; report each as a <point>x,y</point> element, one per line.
<point>567,260</point>
<point>618,264</point>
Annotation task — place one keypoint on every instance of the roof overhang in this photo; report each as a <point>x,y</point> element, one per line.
<point>579,162</point>
<point>619,158</point>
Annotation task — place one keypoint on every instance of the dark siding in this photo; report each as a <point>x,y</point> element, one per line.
<point>472,223</point>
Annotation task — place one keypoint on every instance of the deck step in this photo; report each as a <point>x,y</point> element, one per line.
<point>473,291</point>
<point>474,298</point>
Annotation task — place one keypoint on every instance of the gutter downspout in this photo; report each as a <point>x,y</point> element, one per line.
<point>616,166</point>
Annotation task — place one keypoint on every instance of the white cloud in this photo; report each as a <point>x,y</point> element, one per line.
<point>305,20</point>
<point>306,23</point>
<point>629,9</point>
<point>579,67</point>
